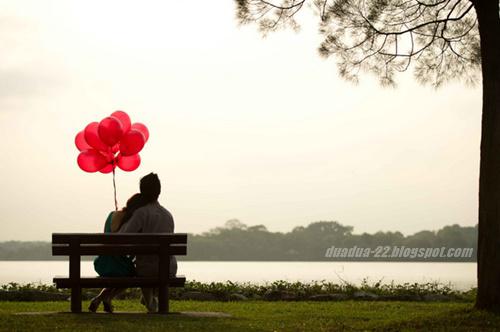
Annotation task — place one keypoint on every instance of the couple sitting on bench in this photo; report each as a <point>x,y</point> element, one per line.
<point>143,214</point>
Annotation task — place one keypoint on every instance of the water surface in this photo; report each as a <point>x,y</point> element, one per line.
<point>459,275</point>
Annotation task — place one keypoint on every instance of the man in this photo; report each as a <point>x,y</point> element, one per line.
<point>151,218</point>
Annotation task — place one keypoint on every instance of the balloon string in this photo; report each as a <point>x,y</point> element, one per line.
<point>114,187</point>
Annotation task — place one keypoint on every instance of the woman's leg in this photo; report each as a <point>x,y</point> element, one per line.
<point>96,301</point>
<point>116,291</point>
<point>108,298</point>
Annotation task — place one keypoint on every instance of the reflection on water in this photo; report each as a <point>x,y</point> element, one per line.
<point>460,275</point>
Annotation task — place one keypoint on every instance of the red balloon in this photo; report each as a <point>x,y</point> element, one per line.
<point>129,163</point>
<point>108,168</point>
<point>110,130</point>
<point>124,119</point>
<point>80,142</point>
<point>142,128</point>
<point>99,142</point>
<point>132,142</point>
<point>115,148</point>
<point>92,137</point>
<point>91,160</point>
<point>110,156</point>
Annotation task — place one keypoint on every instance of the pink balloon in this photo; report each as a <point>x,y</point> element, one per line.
<point>108,168</point>
<point>110,130</point>
<point>132,142</point>
<point>129,163</point>
<point>142,128</point>
<point>124,119</point>
<point>80,142</point>
<point>92,137</point>
<point>91,160</point>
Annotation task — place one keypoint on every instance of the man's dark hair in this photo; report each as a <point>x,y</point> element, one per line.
<point>150,187</point>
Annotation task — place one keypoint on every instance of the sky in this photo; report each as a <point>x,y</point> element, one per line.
<point>259,129</point>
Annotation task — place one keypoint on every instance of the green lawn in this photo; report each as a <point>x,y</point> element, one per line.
<point>256,316</point>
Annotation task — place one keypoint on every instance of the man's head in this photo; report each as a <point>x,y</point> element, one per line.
<point>150,187</point>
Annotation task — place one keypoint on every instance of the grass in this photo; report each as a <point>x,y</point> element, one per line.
<point>257,316</point>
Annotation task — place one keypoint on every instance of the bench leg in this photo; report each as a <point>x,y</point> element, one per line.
<point>76,299</point>
<point>163,300</point>
<point>74,276</point>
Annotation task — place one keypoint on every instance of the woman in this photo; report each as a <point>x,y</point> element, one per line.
<point>115,266</point>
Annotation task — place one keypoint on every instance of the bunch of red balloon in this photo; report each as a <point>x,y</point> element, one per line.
<point>114,141</point>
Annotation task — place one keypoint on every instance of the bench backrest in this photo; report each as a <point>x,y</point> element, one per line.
<point>76,245</point>
<point>85,244</point>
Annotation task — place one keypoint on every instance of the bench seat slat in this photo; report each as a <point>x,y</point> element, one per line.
<point>119,238</point>
<point>98,282</point>
<point>116,250</point>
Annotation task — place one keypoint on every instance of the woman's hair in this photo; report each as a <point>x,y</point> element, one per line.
<point>133,203</point>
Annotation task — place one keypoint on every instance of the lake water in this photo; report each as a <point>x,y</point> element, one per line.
<point>459,275</point>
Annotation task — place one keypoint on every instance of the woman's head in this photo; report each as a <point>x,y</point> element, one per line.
<point>133,203</point>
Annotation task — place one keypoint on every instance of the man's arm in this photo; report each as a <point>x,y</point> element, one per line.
<point>171,223</point>
<point>135,223</point>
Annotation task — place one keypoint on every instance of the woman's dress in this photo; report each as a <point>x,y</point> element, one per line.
<point>113,266</point>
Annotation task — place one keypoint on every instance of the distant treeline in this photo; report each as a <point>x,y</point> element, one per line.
<point>319,241</point>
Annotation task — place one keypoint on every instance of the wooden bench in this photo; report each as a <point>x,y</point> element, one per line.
<point>162,245</point>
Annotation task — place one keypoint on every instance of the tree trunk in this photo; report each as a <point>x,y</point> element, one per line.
<point>488,267</point>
